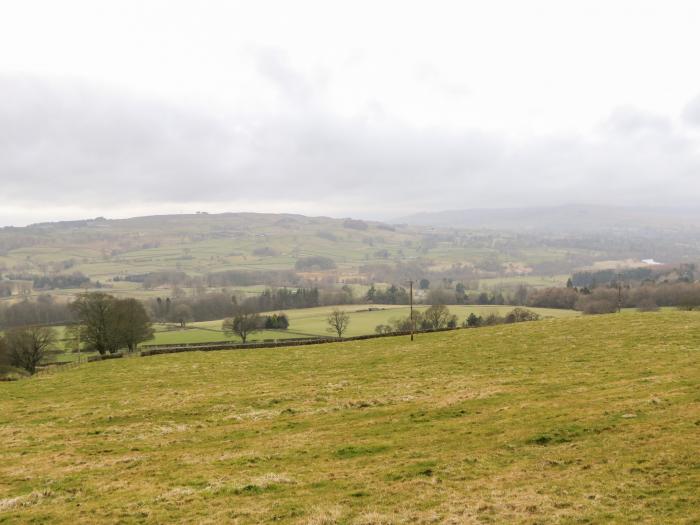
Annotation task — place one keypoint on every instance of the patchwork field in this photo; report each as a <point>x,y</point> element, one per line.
<point>305,322</point>
<point>577,420</point>
<point>115,252</point>
<point>312,322</point>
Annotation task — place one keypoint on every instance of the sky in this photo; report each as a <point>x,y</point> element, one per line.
<point>373,109</point>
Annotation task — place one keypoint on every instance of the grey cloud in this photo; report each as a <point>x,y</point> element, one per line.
<point>61,143</point>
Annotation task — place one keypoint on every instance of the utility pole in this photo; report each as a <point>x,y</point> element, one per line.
<point>410,295</point>
<point>619,293</point>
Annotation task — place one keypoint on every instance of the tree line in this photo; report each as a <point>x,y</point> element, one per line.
<point>438,316</point>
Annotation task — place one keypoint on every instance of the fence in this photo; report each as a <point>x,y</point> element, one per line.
<point>208,347</point>
<point>204,347</point>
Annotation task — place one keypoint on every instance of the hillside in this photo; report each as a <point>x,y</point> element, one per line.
<point>147,257</point>
<point>578,420</point>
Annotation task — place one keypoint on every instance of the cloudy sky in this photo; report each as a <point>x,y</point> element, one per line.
<point>372,109</point>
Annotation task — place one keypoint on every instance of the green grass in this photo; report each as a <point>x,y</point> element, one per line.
<point>312,322</point>
<point>577,420</point>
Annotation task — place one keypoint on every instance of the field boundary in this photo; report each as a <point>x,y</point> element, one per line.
<point>174,349</point>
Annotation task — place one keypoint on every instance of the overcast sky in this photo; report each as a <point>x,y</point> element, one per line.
<point>370,109</point>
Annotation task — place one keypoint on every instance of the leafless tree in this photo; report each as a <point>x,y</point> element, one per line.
<point>437,316</point>
<point>338,321</point>
<point>242,324</point>
<point>27,346</point>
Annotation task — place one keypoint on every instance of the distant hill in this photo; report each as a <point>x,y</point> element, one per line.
<point>147,257</point>
<point>569,218</point>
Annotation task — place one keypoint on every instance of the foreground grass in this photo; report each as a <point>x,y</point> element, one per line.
<point>581,420</point>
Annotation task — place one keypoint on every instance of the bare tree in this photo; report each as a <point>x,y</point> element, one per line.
<point>242,324</point>
<point>437,316</point>
<point>27,346</point>
<point>338,321</point>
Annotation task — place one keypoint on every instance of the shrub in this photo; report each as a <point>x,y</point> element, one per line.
<point>27,347</point>
<point>314,262</point>
<point>277,322</point>
<point>553,298</point>
<point>436,317</point>
<point>600,301</point>
<point>520,315</point>
<point>592,306</point>
<point>383,329</point>
<point>473,321</point>
<point>647,305</point>
<point>493,319</point>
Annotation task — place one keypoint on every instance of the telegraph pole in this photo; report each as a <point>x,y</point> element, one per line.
<point>411,303</point>
<point>619,293</point>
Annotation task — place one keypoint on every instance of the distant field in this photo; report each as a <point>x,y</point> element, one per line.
<point>535,281</point>
<point>312,322</point>
<point>577,420</point>
<point>109,250</point>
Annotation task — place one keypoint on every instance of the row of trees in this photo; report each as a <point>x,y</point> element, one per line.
<point>101,323</point>
<point>220,305</point>
<point>438,317</point>
<point>608,299</point>
<point>54,281</point>
<point>43,310</point>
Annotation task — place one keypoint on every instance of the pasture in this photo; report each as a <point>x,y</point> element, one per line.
<point>573,420</point>
<point>311,322</point>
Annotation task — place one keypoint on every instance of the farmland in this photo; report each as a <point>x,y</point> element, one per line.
<point>573,420</point>
<point>114,255</point>
<point>311,322</point>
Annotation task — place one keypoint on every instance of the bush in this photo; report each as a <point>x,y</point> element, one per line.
<point>520,315</point>
<point>436,317</point>
<point>314,262</point>
<point>647,305</point>
<point>383,329</point>
<point>600,301</point>
<point>493,319</point>
<point>473,321</point>
<point>27,347</point>
<point>553,298</point>
<point>276,322</point>
<point>4,353</point>
<point>592,306</point>
<point>11,373</point>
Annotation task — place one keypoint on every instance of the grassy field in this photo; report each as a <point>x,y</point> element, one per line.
<point>577,420</point>
<point>312,322</point>
<point>307,322</point>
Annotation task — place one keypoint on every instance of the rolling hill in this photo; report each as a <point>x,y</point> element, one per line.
<point>145,257</point>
